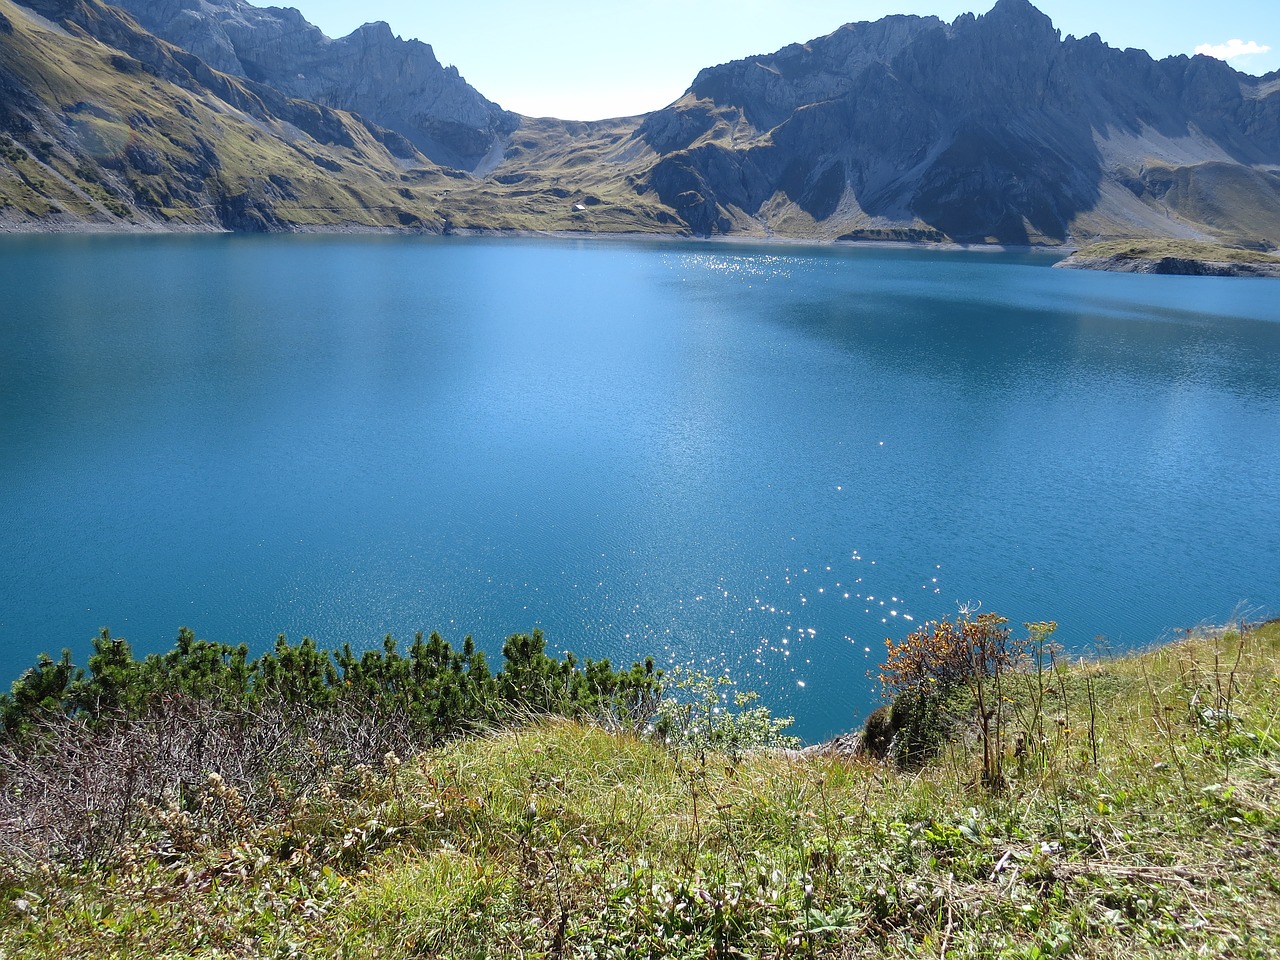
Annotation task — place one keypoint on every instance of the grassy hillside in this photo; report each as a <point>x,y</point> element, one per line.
<point>104,127</point>
<point>1140,816</point>
<point>93,135</point>
<point>562,176</point>
<point>1234,203</point>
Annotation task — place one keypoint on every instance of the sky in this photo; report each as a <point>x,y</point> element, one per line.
<point>592,59</point>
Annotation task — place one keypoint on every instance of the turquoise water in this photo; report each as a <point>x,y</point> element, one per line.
<point>760,459</point>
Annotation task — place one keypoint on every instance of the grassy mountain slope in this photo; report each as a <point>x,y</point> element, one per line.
<point>564,176</point>
<point>1140,817</point>
<point>98,137</point>
<point>105,127</point>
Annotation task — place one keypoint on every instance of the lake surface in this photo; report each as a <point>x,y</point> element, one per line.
<point>759,459</point>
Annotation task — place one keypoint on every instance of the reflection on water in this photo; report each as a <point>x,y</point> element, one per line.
<point>756,459</point>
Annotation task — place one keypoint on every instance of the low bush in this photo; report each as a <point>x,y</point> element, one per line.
<point>438,690</point>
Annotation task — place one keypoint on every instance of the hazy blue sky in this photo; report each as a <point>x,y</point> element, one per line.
<point>588,59</point>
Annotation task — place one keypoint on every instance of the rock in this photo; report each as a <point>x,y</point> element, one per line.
<point>144,159</point>
<point>846,746</point>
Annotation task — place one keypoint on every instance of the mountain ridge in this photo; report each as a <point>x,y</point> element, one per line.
<point>982,129</point>
<point>990,129</point>
<point>106,127</point>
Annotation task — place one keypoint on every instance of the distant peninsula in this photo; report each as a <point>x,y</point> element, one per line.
<point>1173,257</point>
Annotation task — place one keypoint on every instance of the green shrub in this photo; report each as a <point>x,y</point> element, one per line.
<point>139,734</point>
<point>433,688</point>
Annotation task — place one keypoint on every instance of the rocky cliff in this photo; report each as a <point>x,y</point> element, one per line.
<point>398,84</point>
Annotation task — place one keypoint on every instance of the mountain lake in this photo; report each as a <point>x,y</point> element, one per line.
<point>738,457</point>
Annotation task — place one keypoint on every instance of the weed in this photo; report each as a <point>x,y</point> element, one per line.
<point>700,713</point>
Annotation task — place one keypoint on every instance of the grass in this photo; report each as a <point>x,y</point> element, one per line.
<point>1140,817</point>
<point>550,169</point>
<point>1235,202</point>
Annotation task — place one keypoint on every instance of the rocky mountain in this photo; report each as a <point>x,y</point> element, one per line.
<point>215,114</point>
<point>991,128</point>
<point>398,84</point>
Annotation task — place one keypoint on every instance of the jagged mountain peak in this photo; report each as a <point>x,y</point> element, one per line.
<point>990,128</point>
<point>396,83</point>
<point>376,30</point>
<point>1015,21</point>
<point>1022,11</point>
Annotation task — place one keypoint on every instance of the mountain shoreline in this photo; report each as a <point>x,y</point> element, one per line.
<point>728,240</point>
<point>1169,266</point>
<point>1070,256</point>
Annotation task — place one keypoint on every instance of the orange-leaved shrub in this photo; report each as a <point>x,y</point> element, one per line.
<point>931,666</point>
<point>943,654</point>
